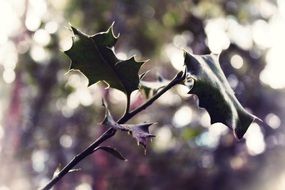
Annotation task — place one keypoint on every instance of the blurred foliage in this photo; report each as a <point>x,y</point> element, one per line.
<point>49,116</point>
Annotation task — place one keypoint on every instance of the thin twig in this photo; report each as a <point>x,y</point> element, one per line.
<point>89,150</point>
<point>111,132</point>
<point>176,80</point>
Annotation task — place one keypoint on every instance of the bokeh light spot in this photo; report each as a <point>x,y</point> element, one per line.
<point>236,61</point>
<point>84,186</point>
<point>42,37</point>
<point>254,140</point>
<point>175,55</point>
<point>273,120</point>
<point>9,75</point>
<point>39,157</point>
<point>51,27</point>
<point>163,139</point>
<point>211,138</point>
<point>217,39</point>
<point>233,81</point>
<point>39,54</point>
<point>182,116</point>
<point>66,141</point>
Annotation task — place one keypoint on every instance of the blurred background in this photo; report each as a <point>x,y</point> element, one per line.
<point>48,116</point>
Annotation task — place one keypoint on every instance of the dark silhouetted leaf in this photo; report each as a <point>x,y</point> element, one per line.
<point>215,93</point>
<point>140,132</point>
<point>108,120</point>
<point>95,58</point>
<point>112,151</point>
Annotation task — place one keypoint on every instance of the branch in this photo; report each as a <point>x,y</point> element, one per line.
<point>111,132</point>
<point>176,80</point>
<point>89,150</point>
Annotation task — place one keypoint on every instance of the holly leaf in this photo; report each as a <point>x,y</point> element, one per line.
<point>215,93</point>
<point>112,151</point>
<point>109,120</point>
<point>140,132</point>
<point>94,57</point>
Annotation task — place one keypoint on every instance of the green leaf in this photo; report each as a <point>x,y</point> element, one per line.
<point>109,120</point>
<point>95,58</point>
<point>139,131</point>
<point>215,93</point>
<point>112,151</point>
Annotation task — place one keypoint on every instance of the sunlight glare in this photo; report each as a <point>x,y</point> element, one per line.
<point>175,56</point>
<point>205,120</point>
<point>65,39</point>
<point>254,140</point>
<point>42,37</point>
<point>8,55</point>
<point>32,22</point>
<point>66,141</point>
<point>281,7</point>
<point>237,162</point>
<point>39,158</point>
<point>84,95</point>
<point>211,138</point>
<point>51,27</point>
<point>217,38</point>
<point>261,34</point>
<point>218,129</point>
<point>10,22</point>
<point>239,34</point>
<point>163,139</point>
<point>273,120</point>
<point>84,186</point>
<point>182,116</point>
<point>9,75</point>
<point>169,98</point>
<point>236,61</point>
<point>273,73</point>
<point>36,11</point>
<point>181,41</point>
<point>40,54</point>
<point>72,101</point>
<point>233,81</point>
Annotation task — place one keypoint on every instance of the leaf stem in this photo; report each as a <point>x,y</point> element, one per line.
<point>176,80</point>
<point>111,132</point>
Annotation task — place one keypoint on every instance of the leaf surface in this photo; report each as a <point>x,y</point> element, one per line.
<point>215,93</point>
<point>139,131</point>
<point>94,57</point>
<point>112,151</point>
